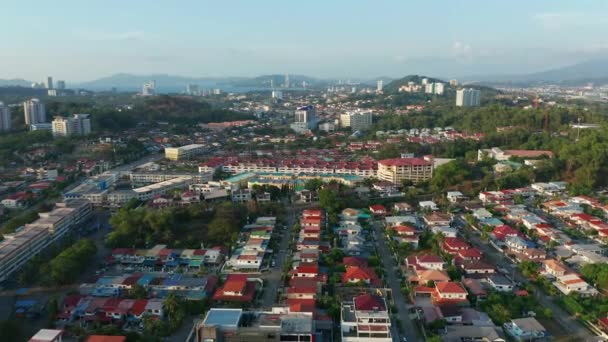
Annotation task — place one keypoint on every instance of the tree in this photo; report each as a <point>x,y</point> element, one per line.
<point>528,268</point>
<point>328,200</point>
<point>313,184</point>
<point>138,292</point>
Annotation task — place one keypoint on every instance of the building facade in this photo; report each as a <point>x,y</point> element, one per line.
<point>183,152</point>
<point>397,170</point>
<point>34,112</point>
<point>468,97</point>
<point>5,118</point>
<point>356,120</point>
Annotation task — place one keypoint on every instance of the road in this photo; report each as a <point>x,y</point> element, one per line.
<point>409,330</point>
<point>272,279</point>
<point>574,328</point>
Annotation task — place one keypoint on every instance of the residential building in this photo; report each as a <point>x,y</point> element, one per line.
<point>18,248</point>
<point>149,89</point>
<point>358,120</point>
<point>468,97</point>
<point>34,112</point>
<point>305,119</point>
<point>526,329</point>
<point>78,124</point>
<point>570,283</point>
<point>366,318</point>
<point>380,85</point>
<point>183,152</point>
<point>5,118</point>
<point>398,170</point>
<point>47,335</point>
<point>459,333</point>
<point>277,94</point>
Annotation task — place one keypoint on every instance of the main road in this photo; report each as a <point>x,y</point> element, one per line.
<point>409,330</point>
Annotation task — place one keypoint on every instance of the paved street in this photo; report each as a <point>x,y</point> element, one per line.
<point>409,330</point>
<point>272,279</point>
<point>574,328</point>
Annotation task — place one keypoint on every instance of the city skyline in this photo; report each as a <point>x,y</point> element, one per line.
<point>336,40</point>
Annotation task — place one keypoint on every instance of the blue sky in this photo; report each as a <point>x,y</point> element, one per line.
<point>82,40</point>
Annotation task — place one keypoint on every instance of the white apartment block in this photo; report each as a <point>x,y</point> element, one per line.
<point>356,120</point>
<point>5,118</point>
<point>34,112</point>
<point>18,248</point>
<point>468,97</point>
<point>79,124</point>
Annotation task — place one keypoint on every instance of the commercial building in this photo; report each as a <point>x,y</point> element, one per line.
<point>366,318</point>
<point>149,89</point>
<point>60,85</point>
<point>232,325</point>
<point>305,119</point>
<point>183,152</point>
<point>397,170</point>
<point>49,83</point>
<point>34,112</point>
<point>144,178</point>
<point>79,124</point>
<point>380,85</point>
<point>18,248</point>
<point>356,120</point>
<point>468,97</point>
<point>5,118</point>
<point>144,193</point>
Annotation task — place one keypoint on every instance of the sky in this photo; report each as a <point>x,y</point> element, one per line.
<point>84,40</point>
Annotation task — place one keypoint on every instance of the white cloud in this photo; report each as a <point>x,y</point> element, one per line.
<point>111,36</point>
<point>462,50</point>
<point>569,20</point>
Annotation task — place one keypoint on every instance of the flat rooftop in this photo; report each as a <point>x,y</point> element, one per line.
<point>223,317</point>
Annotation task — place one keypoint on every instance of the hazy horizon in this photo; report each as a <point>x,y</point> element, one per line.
<point>82,41</point>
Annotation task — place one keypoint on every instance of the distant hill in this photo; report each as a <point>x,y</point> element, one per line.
<point>595,71</point>
<point>396,84</point>
<point>171,83</point>
<point>16,82</point>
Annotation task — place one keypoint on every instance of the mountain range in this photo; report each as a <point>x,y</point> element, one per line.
<point>595,71</point>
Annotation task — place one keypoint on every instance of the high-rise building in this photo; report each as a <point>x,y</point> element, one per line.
<point>60,85</point>
<point>34,112</point>
<point>79,124</point>
<point>424,81</point>
<point>356,120</point>
<point>454,83</point>
<point>5,117</point>
<point>193,89</point>
<point>49,82</point>
<point>305,119</point>
<point>286,82</point>
<point>380,86</point>
<point>468,97</point>
<point>149,89</point>
<point>277,94</point>
<point>439,88</point>
<point>82,124</point>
